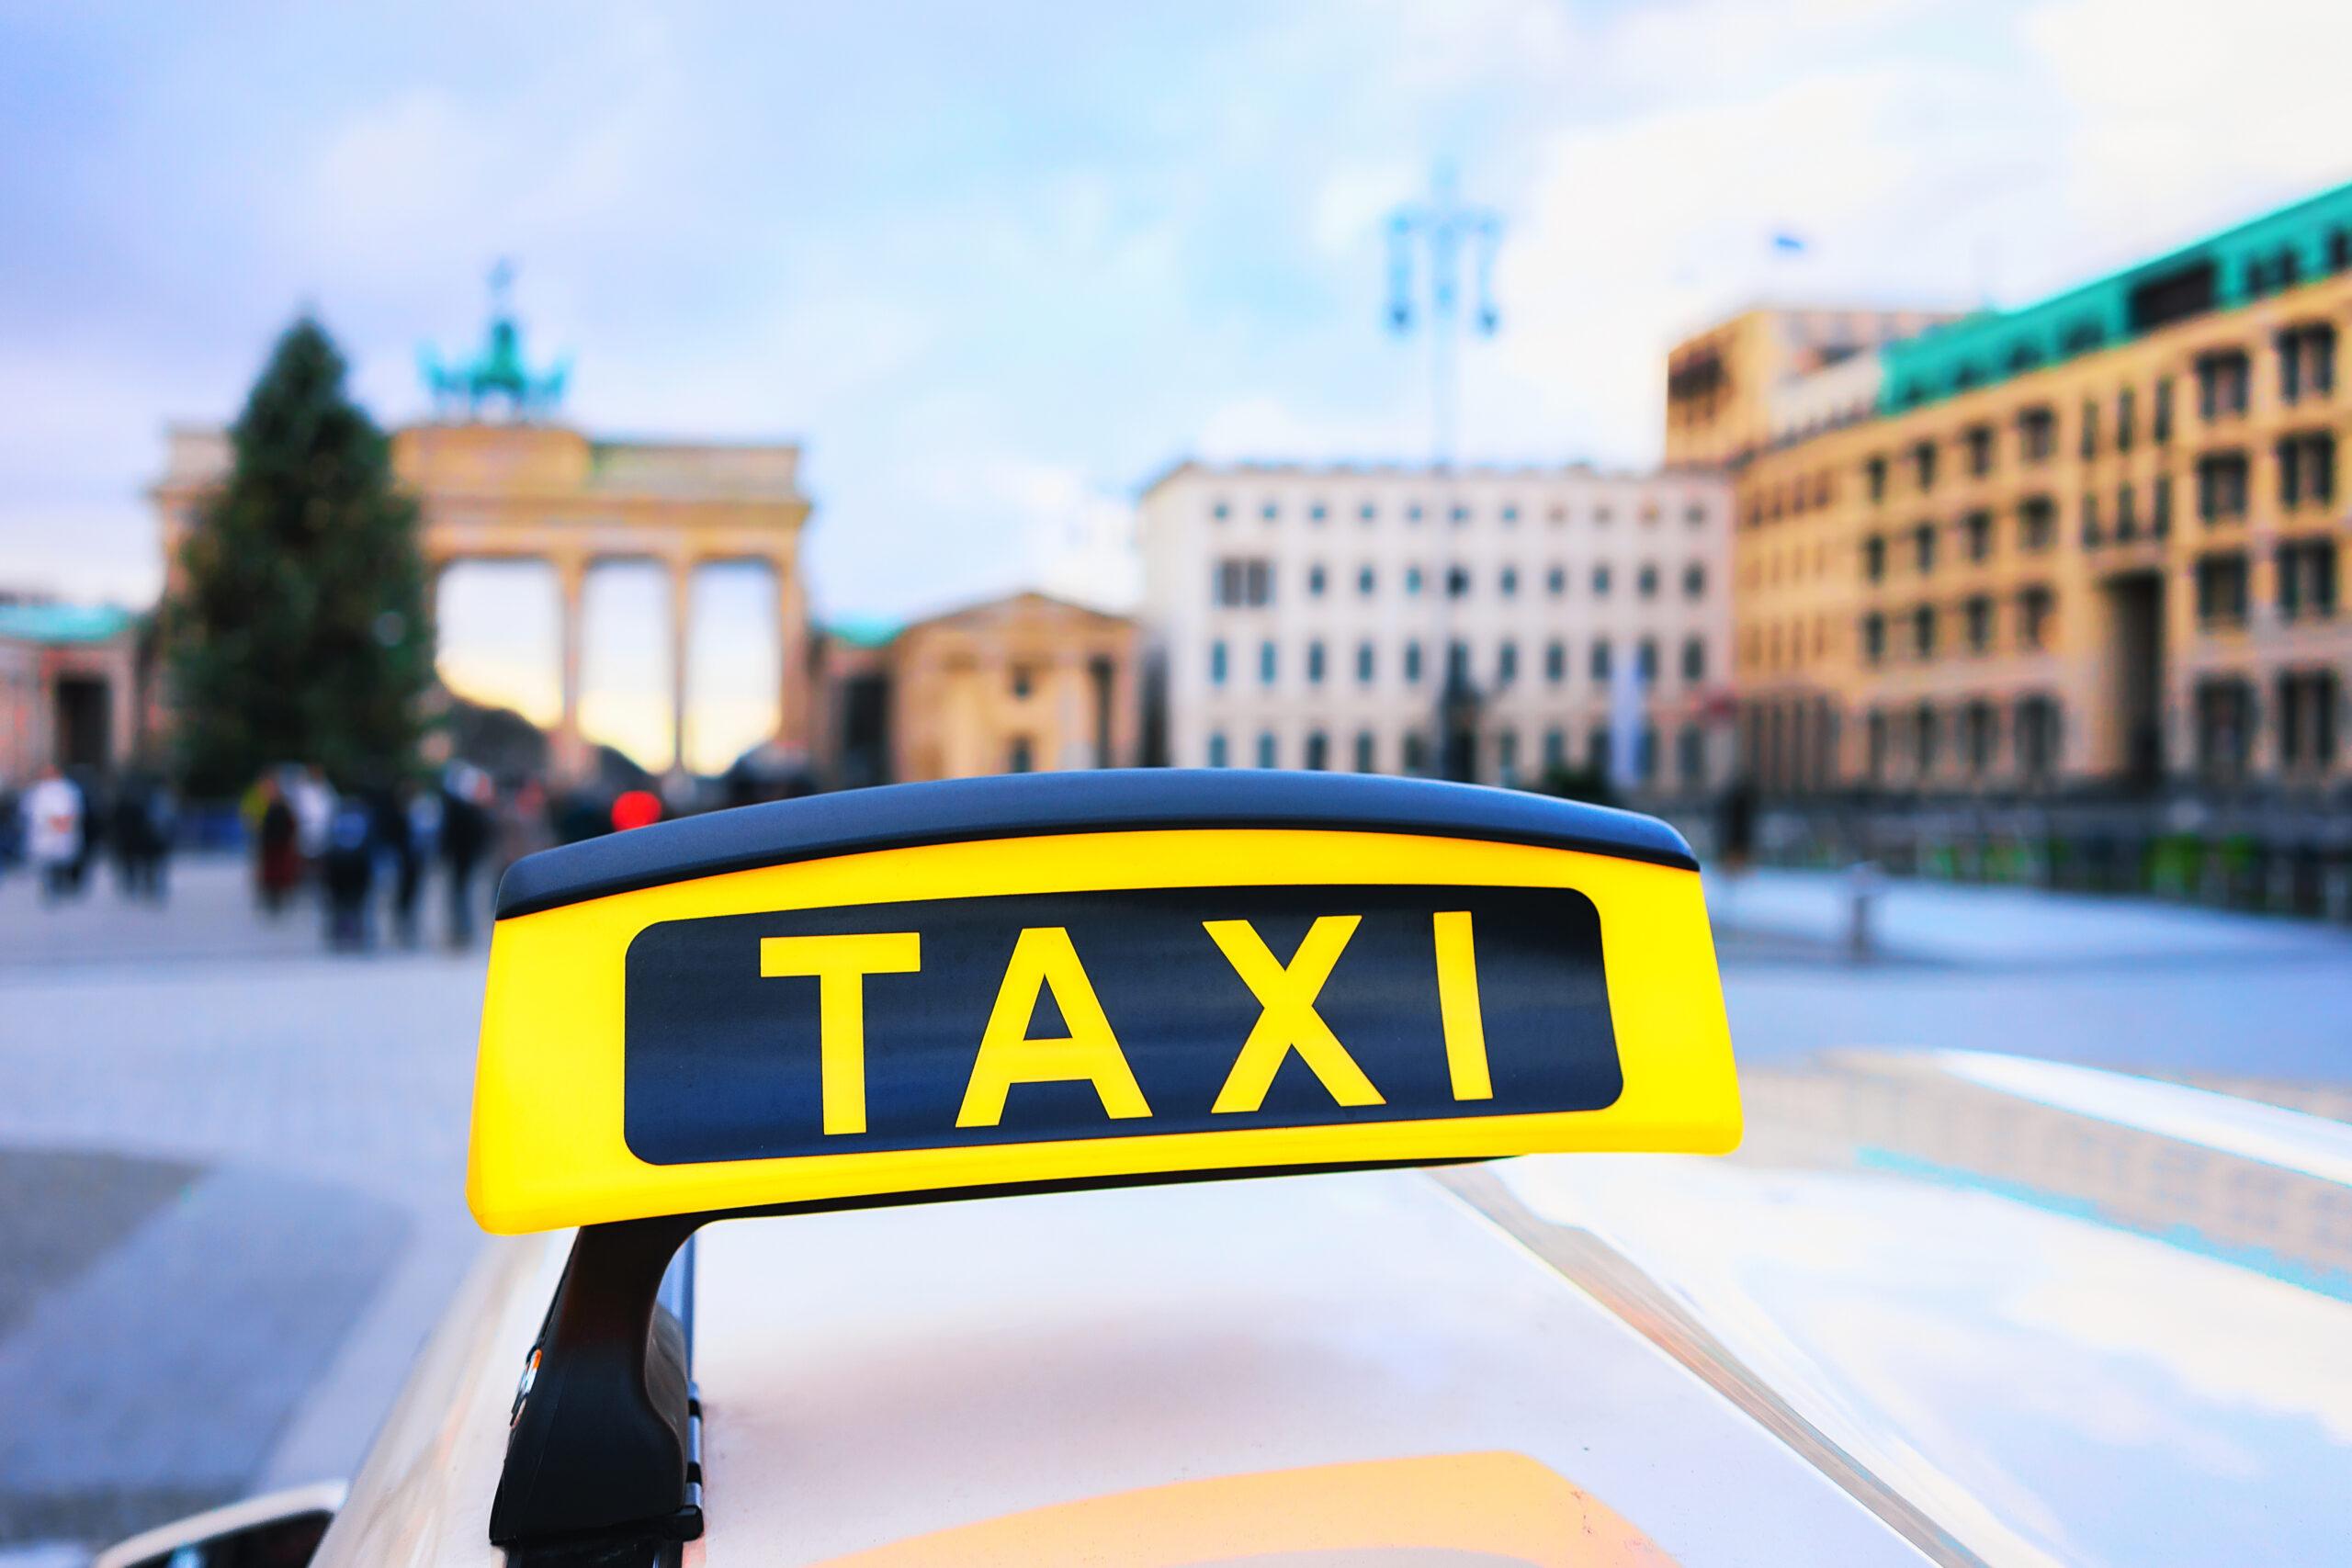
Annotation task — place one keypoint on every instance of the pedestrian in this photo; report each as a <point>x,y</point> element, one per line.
<point>347,869</point>
<point>136,832</point>
<point>53,832</point>
<point>312,799</point>
<point>278,860</point>
<point>465,799</point>
<point>396,837</point>
<point>1738,835</point>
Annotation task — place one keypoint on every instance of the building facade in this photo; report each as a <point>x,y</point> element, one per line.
<point>1023,684</point>
<point>1490,624</point>
<point>510,489</point>
<point>2095,544</point>
<point>71,679</point>
<point>1735,389</point>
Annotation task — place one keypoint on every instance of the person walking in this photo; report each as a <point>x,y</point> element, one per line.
<point>53,832</point>
<point>396,835</point>
<point>347,869</point>
<point>278,863</point>
<point>312,799</point>
<point>466,798</point>
<point>136,834</point>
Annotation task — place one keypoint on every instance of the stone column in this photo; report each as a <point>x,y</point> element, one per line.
<point>569,753</point>
<point>681,595</point>
<point>791,649</point>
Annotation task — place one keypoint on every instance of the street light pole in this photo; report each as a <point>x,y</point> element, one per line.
<point>1441,235</point>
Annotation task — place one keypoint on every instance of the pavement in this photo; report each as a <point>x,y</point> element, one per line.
<point>232,1166</point>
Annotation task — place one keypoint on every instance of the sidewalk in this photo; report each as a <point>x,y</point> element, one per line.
<point>1936,922</point>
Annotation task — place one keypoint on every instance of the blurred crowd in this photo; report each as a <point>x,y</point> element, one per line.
<point>362,857</point>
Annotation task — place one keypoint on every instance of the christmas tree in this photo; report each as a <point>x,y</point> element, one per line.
<point>300,632</point>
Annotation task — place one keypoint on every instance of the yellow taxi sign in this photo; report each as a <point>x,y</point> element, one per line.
<point>1080,978</point>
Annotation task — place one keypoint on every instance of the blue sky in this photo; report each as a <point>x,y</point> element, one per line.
<point>996,266</point>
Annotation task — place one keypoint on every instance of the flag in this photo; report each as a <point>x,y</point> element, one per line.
<point>1787,244</point>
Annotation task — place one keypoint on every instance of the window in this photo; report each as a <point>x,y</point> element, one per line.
<point>1461,515</point>
<point>1977,736</point>
<point>1694,581</point>
<point>1923,464</point>
<point>2307,580</point>
<point>1216,664</point>
<point>1694,659</point>
<point>1875,478</point>
<point>2307,468</point>
<point>1413,512</point>
<point>1555,750</point>
<point>1876,754</point>
<point>1457,581</point>
<point>1556,582</point>
<point>1317,511</point>
<point>1417,754</point>
<point>1315,582</point>
<point>1696,514</point>
<point>1555,661</point>
<point>2127,513</point>
<point>2037,523</point>
<point>1242,582</point>
<point>2306,362</point>
<point>1979,439</point>
<point>2224,726</point>
<point>2037,737</point>
<point>1023,681</point>
<point>1510,581</point>
<point>1366,752</point>
<point>1367,512</point>
<point>1645,660</point>
<point>2091,428</point>
<point>1457,663</point>
<point>1978,528</point>
<point>1690,756</point>
<point>1366,581</point>
<point>1923,547</point>
<point>2222,379</point>
<point>1315,662</point>
<point>1412,581</point>
<point>2221,486</point>
<point>1511,512</point>
<point>2222,588</point>
<point>1266,749</point>
<point>1873,638</point>
<point>2161,425</point>
<point>1874,558</point>
<point>2308,700</point>
<point>1507,757</point>
<point>1923,632</point>
<point>1978,616</point>
<point>1645,585</point>
<point>1600,582</point>
<point>2035,606</point>
<point>2091,532</point>
<point>1268,512</point>
<point>2037,434</point>
<point>1266,663</point>
<point>1412,663</point>
<point>1217,755</point>
<point>1507,662</point>
<point>1018,757</point>
<point>1600,658</point>
<point>2125,422</point>
<point>1220,509</point>
<point>2160,518</point>
<point>1318,750</point>
<point>1926,738</point>
<point>1364,664</point>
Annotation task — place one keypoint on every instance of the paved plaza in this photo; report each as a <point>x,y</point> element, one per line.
<point>232,1166</point>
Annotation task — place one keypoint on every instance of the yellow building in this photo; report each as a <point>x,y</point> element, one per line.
<point>1727,387</point>
<point>2091,543</point>
<point>1024,683</point>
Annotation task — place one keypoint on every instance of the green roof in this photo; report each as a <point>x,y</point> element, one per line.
<point>2307,240</point>
<point>864,631</point>
<point>64,623</point>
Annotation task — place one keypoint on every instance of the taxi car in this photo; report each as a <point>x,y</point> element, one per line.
<point>1113,1170</point>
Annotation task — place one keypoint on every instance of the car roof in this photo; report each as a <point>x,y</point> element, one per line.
<point>1231,1371</point>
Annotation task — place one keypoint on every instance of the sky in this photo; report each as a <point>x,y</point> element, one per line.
<point>994,267</point>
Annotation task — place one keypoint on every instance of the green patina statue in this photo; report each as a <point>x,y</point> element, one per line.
<point>497,370</point>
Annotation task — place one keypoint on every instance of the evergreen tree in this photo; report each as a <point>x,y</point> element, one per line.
<point>300,633</point>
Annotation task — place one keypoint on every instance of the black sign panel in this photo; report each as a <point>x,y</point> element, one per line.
<point>969,1022</point>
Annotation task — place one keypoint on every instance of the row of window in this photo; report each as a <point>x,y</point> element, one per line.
<point>1248,582</point>
<point>1598,662</point>
<point>1557,514</point>
<point>2303,361</point>
<point>1918,737</point>
<point>2035,610</point>
<point>2306,583</point>
<point>1516,760</point>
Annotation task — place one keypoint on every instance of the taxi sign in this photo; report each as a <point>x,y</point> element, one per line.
<point>930,990</point>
